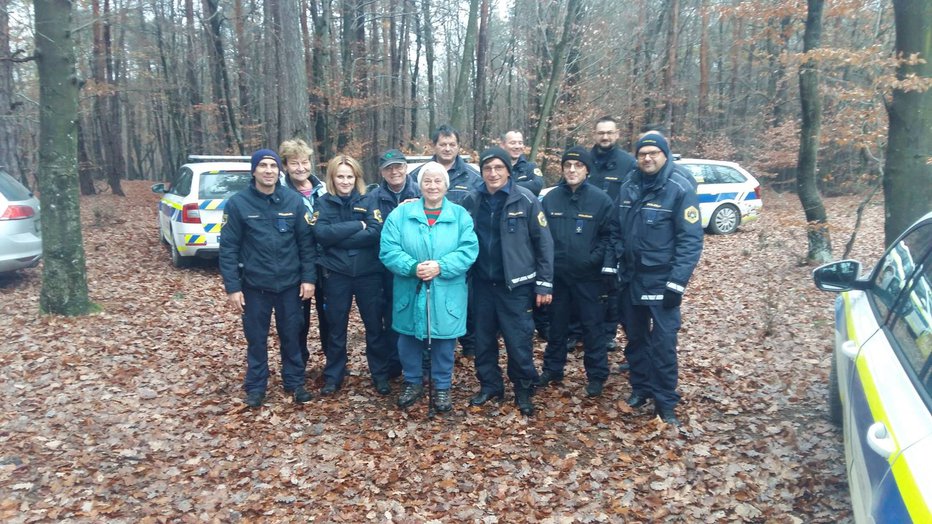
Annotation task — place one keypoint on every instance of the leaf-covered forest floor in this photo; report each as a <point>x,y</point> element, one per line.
<point>135,414</point>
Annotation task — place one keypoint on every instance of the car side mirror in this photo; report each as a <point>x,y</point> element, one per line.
<point>838,276</point>
<point>158,188</point>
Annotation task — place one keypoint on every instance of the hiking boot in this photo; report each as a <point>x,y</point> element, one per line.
<point>548,377</point>
<point>482,397</point>
<point>637,400</point>
<point>302,395</point>
<point>594,388</point>
<point>523,399</point>
<point>381,386</point>
<point>254,399</point>
<point>442,402</point>
<point>668,416</point>
<point>410,395</point>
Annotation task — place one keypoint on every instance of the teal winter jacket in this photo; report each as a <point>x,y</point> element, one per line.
<point>406,241</point>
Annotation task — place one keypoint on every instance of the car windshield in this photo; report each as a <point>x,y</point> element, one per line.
<point>11,189</point>
<point>223,184</point>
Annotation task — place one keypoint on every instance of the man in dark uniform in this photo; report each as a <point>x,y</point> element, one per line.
<point>581,220</point>
<point>526,174</point>
<point>267,262</point>
<point>658,245</point>
<point>513,273</point>
<point>610,165</point>
<point>463,177</point>
<point>396,188</point>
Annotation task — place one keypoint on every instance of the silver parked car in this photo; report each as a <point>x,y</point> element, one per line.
<point>20,237</point>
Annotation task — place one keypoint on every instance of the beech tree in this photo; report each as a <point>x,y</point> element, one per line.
<point>64,279</point>
<point>820,245</point>
<point>907,184</point>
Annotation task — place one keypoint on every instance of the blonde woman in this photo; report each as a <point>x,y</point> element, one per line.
<point>347,225</point>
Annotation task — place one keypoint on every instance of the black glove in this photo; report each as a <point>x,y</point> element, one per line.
<point>671,299</point>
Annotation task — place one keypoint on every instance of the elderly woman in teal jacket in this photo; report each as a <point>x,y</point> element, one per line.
<point>429,242</point>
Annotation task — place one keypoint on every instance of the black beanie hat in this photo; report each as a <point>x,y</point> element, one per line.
<point>495,152</point>
<point>265,153</point>
<point>578,153</point>
<point>653,138</point>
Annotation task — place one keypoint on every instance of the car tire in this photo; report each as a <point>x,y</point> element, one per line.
<point>725,220</point>
<point>177,260</point>
<point>834,396</point>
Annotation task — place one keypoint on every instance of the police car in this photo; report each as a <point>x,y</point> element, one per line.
<point>191,209</point>
<point>880,385</point>
<point>728,195</point>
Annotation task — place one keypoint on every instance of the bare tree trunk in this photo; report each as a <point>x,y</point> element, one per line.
<point>704,70</point>
<point>419,34</point>
<point>193,86</point>
<point>291,99</point>
<point>458,111</point>
<point>820,244</point>
<point>480,116</point>
<point>64,277</point>
<point>669,71</point>
<point>556,75</point>
<point>907,185</point>
<point>429,54</point>
<point>219,78</point>
<point>114,162</point>
<point>8,128</point>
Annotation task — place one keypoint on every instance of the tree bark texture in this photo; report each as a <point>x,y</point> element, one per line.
<point>820,245</point>
<point>460,104</point>
<point>8,127</point>
<point>64,278</point>
<point>293,110</point>
<point>907,183</point>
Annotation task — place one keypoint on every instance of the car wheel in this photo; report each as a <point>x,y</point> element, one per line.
<point>178,260</point>
<point>834,396</point>
<point>725,220</point>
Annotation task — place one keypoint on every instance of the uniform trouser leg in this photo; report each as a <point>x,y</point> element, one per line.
<point>542,321</point>
<point>663,336</point>
<point>588,302</point>
<point>411,351</point>
<point>391,336</point>
<point>483,305</point>
<point>560,311</point>
<point>305,329</point>
<point>321,311</point>
<point>257,316</point>
<point>638,349</point>
<point>612,315</point>
<point>288,323</point>
<point>338,297</point>
<point>516,323</point>
<point>370,301</point>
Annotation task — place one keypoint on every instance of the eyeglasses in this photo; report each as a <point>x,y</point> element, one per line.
<point>497,168</point>
<point>653,154</point>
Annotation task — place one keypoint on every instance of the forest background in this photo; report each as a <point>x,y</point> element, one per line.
<point>162,79</point>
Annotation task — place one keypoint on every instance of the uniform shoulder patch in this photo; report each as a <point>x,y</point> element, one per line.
<point>691,214</point>
<point>541,219</point>
<point>377,213</point>
<point>313,219</point>
<point>538,172</point>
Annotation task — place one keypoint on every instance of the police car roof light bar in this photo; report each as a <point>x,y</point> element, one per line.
<point>216,158</point>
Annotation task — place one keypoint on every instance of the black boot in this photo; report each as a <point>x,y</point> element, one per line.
<point>523,393</point>
<point>410,395</point>
<point>442,402</point>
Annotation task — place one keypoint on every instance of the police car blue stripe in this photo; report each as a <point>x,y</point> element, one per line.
<point>707,198</point>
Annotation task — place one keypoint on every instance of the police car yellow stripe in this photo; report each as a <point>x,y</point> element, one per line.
<point>906,481</point>
<point>169,203</point>
<point>909,489</point>
<point>216,203</point>
<point>195,240</point>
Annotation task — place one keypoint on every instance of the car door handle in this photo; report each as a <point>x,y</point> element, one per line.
<point>880,440</point>
<point>849,349</point>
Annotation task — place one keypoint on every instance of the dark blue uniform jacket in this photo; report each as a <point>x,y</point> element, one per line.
<point>463,179</point>
<point>345,247</point>
<point>526,175</point>
<point>659,237</point>
<point>581,224</point>
<point>527,247</point>
<point>609,169</point>
<point>266,242</point>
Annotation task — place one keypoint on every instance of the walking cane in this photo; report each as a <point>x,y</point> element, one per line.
<point>430,360</point>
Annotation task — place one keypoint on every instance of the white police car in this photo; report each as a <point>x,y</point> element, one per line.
<point>191,210</point>
<point>881,379</point>
<point>728,195</point>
